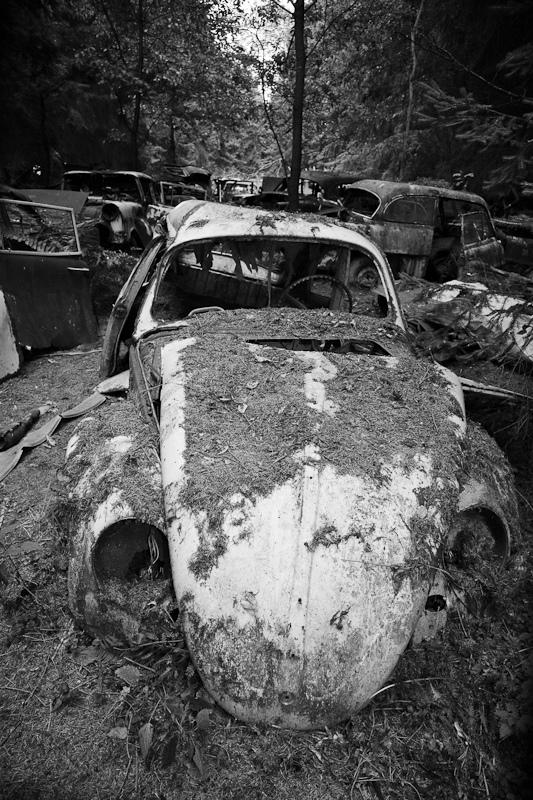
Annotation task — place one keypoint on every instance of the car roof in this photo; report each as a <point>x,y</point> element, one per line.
<point>108,172</point>
<point>197,220</point>
<point>387,190</point>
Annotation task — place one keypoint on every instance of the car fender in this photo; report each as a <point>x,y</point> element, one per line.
<point>488,487</point>
<point>487,502</point>
<point>133,223</point>
<point>113,506</point>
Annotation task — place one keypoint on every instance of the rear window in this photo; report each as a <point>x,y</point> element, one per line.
<point>360,201</point>
<point>412,209</point>
<point>84,182</point>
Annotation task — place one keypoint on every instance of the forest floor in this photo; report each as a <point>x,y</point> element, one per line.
<point>78,721</point>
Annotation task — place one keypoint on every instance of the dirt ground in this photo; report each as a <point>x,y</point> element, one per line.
<point>80,722</point>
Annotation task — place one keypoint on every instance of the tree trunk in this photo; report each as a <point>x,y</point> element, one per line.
<point>46,166</point>
<point>171,141</point>
<point>410,92</point>
<point>138,91</point>
<point>297,104</point>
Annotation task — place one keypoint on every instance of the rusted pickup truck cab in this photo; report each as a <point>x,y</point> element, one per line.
<point>427,231</point>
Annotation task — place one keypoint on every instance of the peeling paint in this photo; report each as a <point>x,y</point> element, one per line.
<point>322,370</point>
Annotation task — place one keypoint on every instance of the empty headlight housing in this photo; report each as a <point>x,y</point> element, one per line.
<point>110,212</point>
<point>131,550</point>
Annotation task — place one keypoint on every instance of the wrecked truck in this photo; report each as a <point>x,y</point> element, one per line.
<point>283,460</point>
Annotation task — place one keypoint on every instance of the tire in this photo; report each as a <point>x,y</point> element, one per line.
<point>365,275</point>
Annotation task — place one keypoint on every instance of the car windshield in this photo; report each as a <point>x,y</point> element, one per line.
<point>91,182</point>
<point>109,185</point>
<point>121,187</point>
<point>254,273</point>
<point>37,228</point>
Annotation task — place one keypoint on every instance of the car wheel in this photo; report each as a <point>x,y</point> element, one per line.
<point>478,549</point>
<point>365,275</point>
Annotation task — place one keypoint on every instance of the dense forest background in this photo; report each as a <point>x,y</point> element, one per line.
<point>393,88</point>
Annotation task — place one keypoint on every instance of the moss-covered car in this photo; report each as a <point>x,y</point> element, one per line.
<point>287,460</point>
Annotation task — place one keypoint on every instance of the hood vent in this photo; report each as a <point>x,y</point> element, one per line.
<point>367,347</point>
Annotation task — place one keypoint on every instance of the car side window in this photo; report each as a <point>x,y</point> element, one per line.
<point>476,227</point>
<point>470,217</point>
<point>148,190</point>
<point>412,209</point>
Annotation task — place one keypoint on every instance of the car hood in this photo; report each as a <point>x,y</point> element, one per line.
<point>306,495</point>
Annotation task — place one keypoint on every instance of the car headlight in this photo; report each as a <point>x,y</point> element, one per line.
<point>131,550</point>
<point>110,212</point>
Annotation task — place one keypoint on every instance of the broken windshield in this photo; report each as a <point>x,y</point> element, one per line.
<point>259,272</point>
<point>37,228</point>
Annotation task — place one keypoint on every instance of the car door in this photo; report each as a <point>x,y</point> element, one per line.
<point>404,229</point>
<point>472,226</point>
<point>120,320</point>
<point>478,238</point>
<point>45,282</point>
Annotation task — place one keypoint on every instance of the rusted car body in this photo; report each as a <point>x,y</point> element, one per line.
<point>299,472</point>
<point>45,282</point>
<point>184,182</point>
<point>426,231</point>
<point>124,203</point>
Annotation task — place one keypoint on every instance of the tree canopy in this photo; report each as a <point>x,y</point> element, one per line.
<point>393,88</point>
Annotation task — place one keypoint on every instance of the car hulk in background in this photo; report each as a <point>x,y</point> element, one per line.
<point>426,231</point>
<point>125,204</point>
<point>303,478</point>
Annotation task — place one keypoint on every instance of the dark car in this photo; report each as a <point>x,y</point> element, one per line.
<point>183,182</point>
<point>125,204</point>
<point>425,231</point>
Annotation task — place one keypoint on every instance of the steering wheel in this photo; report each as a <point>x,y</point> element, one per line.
<point>335,281</point>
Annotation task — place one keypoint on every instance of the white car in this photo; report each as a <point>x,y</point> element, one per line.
<point>287,461</point>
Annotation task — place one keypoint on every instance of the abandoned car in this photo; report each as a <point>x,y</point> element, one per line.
<point>426,231</point>
<point>287,460</point>
<point>185,182</point>
<point>125,204</point>
<point>43,278</point>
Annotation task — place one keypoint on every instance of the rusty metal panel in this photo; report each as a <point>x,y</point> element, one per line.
<point>48,298</point>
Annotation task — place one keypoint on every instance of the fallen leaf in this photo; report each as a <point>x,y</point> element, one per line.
<point>252,385</point>
<point>168,752</point>
<point>146,734</point>
<point>86,655</point>
<point>242,408</point>
<point>118,733</point>
<point>203,719</point>
<point>23,548</point>
<point>198,762</point>
<point>128,674</point>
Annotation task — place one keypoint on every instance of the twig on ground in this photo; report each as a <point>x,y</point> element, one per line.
<point>49,660</point>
